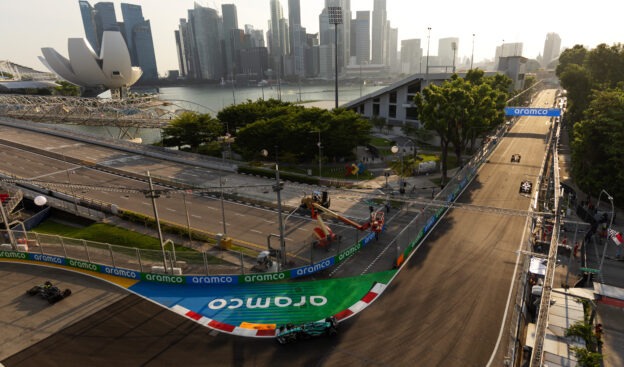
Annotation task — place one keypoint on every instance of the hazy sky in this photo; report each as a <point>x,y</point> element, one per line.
<point>28,25</point>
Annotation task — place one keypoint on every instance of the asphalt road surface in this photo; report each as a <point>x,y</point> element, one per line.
<point>445,308</point>
<point>248,225</point>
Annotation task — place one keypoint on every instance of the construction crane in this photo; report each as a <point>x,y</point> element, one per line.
<point>325,236</point>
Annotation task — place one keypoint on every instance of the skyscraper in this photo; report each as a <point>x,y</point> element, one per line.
<point>328,36</point>
<point>88,22</point>
<point>105,20</point>
<point>411,56</point>
<point>256,36</point>
<point>379,32</point>
<point>392,57</point>
<point>138,33</point>
<point>276,39</point>
<point>297,38</point>
<point>135,29</point>
<point>362,37</point>
<point>231,37</point>
<point>507,50</point>
<point>205,25</point>
<point>447,51</point>
<point>552,48</point>
<point>345,55</point>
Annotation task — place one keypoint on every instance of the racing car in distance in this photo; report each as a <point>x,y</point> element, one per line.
<point>290,333</point>
<point>49,292</point>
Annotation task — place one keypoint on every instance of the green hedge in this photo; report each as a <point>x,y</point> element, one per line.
<point>284,175</point>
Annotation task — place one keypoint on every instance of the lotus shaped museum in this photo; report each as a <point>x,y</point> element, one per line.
<point>111,69</point>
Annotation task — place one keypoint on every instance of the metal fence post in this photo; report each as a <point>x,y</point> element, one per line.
<point>63,245</point>
<point>110,249</point>
<point>205,256</point>
<point>170,262</point>
<point>138,253</point>
<point>39,243</point>
<point>84,243</point>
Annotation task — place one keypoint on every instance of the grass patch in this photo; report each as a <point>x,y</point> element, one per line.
<point>381,142</point>
<point>104,233</point>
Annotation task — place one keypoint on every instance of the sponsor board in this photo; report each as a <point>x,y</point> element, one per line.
<point>13,255</point>
<point>119,272</point>
<point>430,223</point>
<point>163,278</point>
<point>267,302</point>
<point>47,259</point>
<point>369,237</point>
<point>264,277</point>
<point>83,265</point>
<point>311,269</point>
<point>212,279</point>
<point>527,111</point>
<point>348,252</point>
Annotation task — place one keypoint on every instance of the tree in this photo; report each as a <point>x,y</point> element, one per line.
<point>378,122</point>
<point>577,82</point>
<point>66,89</point>
<point>341,131</point>
<point>419,134</point>
<point>192,129</point>
<point>461,109</point>
<point>243,114</point>
<point>597,150</point>
<point>432,105</point>
<point>605,65</point>
<point>571,56</point>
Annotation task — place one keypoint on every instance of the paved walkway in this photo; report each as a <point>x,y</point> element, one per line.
<point>611,316</point>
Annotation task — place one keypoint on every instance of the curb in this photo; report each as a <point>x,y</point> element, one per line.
<point>266,331</point>
<point>222,327</point>
<point>360,305</point>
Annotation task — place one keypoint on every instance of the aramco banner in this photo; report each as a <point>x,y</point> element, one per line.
<point>265,303</point>
<point>531,111</point>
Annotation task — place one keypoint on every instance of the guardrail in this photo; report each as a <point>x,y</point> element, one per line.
<point>129,258</point>
<point>412,235</point>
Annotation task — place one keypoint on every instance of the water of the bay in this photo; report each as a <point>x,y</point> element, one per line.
<point>213,98</point>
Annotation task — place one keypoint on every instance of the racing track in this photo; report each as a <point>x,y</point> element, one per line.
<point>444,308</point>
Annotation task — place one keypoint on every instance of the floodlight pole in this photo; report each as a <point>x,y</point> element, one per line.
<point>472,54</point>
<point>335,18</point>
<point>153,194</point>
<point>427,66</point>
<point>5,219</point>
<point>278,188</point>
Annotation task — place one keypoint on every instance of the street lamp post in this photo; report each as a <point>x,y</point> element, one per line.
<point>401,149</point>
<point>335,18</point>
<point>278,188</point>
<point>604,251</point>
<point>226,140</point>
<point>320,147</point>
<point>395,149</point>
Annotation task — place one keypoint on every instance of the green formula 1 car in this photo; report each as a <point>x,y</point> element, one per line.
<point>290,333</point>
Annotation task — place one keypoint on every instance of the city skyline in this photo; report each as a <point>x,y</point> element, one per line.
<point>490,30</point>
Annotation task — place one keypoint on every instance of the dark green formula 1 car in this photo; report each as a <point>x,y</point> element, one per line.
<point>290,333</point>
<point>49,292</point>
